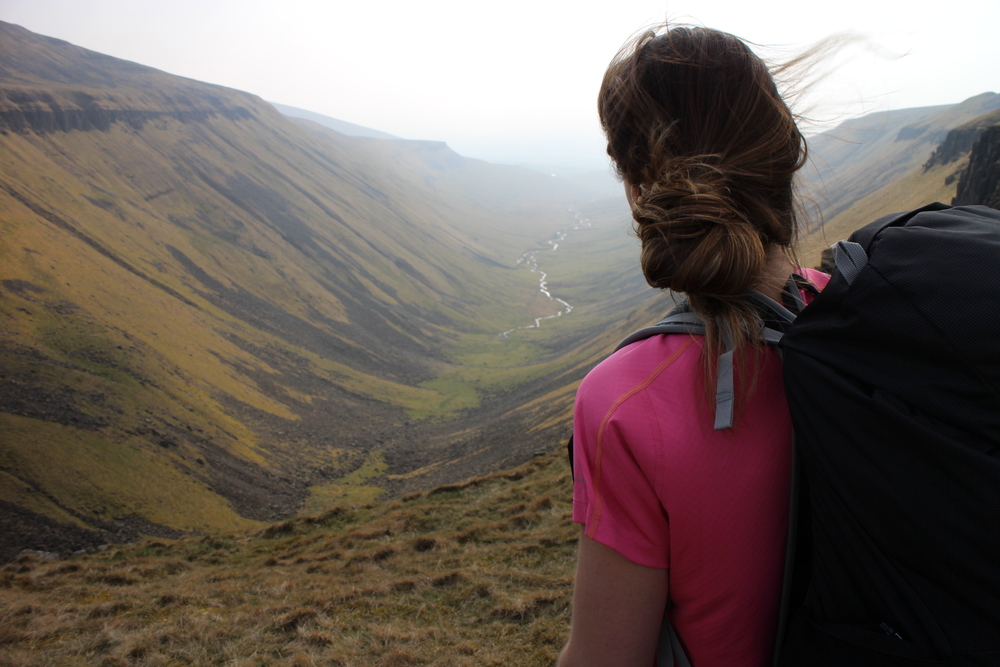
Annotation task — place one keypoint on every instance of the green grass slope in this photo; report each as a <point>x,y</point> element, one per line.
<point>211,316</point>
<point>477,573</point>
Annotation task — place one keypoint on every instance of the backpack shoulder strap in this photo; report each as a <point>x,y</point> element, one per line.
<point>678,320</point>
<point>775,319</point>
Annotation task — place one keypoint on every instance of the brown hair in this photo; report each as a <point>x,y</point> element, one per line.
<point>694,120</point>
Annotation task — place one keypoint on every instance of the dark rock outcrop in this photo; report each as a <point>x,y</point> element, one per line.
<point>960,140</point>
<point>980,182</point>
<point>956,143</point>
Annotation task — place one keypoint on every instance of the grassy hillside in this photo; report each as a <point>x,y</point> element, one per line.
<point>478,573</point>
<point>212,316</point>
<point>866,154</point>
<point>887,162</point>
<point>916,188</point>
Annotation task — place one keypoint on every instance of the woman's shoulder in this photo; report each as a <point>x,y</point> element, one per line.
<point>636,366</point>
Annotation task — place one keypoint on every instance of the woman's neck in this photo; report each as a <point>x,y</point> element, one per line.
<point>776,273</point>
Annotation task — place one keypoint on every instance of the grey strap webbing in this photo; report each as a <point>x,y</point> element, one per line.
<point>725,388</point>
<point>850,258</point>
<point>792,293</point>
<point>725,392</point>
<point>682,320</point>
<point>669,652</point>
<point>677,321</point>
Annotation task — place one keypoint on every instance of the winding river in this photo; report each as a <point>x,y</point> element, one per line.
<point>530,259</point>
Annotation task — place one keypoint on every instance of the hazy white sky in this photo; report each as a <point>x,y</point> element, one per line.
<point>514,81</point>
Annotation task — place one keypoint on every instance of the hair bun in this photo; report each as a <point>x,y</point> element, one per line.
<point>695,237</point>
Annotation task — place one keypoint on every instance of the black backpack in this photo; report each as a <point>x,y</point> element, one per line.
<point>893,379</point>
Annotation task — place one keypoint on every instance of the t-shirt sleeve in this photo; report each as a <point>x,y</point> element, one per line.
<point>615,467</point>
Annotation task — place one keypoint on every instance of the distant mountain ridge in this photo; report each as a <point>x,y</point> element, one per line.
<point>52,85</point>
<point>342,126</point>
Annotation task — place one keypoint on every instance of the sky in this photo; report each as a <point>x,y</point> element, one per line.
<point>516,82</point>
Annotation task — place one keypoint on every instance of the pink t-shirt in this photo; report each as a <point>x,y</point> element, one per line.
<point>656,483</point>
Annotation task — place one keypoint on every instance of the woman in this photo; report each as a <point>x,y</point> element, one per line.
<point>679,518</point>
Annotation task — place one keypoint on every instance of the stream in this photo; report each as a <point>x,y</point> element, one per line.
<point>530,259</point>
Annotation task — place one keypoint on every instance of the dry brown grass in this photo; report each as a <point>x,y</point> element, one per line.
<point>470,574</point>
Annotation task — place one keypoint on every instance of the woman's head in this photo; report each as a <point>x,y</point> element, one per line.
<point>695,124</point>
<point>694,121</point>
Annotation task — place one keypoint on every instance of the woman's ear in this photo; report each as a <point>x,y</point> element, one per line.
<point>631,193</point>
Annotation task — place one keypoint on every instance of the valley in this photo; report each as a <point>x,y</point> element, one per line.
<point>213,315</point>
